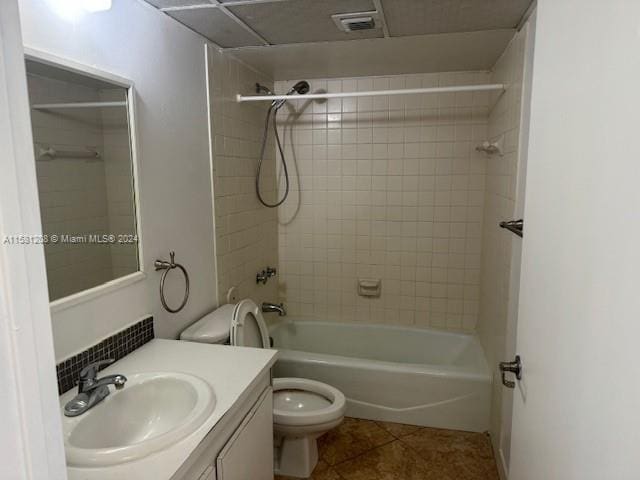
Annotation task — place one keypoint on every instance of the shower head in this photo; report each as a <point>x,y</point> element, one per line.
<point>301,88</point>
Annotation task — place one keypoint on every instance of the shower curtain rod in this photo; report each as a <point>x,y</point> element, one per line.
<point>374,93</point>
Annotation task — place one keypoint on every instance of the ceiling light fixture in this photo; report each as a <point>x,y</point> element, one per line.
<point>96,5</point>
<point>73,9</point>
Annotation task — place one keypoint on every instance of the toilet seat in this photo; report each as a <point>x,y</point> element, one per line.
<point>315,416</point>
<point>248,328</point>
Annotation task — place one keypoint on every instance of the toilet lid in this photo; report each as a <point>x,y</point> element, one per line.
<point>247,327</point>
<point>214,327</point>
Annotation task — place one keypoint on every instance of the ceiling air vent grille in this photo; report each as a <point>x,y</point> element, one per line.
<point>360,23</point>
<point>356,22</point>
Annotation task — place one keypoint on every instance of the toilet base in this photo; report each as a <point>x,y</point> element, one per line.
<point>296,456</point>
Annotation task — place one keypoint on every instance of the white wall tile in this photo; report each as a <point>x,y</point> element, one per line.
<point>393,190</point>
<point>499,205</point>
<point>245,231</point>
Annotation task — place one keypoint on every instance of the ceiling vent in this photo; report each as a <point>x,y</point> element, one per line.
<point>356,22</point>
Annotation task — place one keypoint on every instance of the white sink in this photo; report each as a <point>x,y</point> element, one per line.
<point>152,412</point>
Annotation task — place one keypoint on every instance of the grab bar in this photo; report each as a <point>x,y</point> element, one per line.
<point>514,226</point>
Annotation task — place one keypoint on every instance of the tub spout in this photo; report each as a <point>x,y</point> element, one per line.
<point>274,307</point>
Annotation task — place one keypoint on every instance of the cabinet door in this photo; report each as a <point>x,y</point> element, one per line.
<point>249,453</point>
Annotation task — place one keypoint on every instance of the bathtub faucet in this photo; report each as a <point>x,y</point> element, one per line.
<point>274,307</point>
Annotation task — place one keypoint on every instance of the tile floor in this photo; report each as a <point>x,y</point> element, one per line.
<point>367,450</point>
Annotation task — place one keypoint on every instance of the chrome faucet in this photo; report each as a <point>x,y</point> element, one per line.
<point>274,307</point>
<point>92,390</point>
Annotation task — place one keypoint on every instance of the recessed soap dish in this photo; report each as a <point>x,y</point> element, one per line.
<point>369,287</point>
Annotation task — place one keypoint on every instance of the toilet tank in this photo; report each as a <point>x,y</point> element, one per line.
<point>214,327</point>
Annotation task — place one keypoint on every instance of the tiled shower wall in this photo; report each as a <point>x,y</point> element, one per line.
<point>245,231</point>
<point>387,188</point>
<point>500,202</point>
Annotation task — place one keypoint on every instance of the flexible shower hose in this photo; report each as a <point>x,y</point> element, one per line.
<point>268,119</point>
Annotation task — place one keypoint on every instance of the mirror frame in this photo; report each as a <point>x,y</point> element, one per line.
<point>81,69</point>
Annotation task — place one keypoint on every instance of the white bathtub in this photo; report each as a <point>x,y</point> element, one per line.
<point>396,374</point>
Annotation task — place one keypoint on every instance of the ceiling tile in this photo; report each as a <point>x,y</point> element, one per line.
<point>177,3</point>
<point>297,21</point>
<point>419,17</point>
<point>214,24</point>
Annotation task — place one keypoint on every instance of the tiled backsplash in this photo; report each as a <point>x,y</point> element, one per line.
<point>390,188</point>
<point>116,347</point>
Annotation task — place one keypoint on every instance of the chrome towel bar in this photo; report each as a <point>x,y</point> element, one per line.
<point>514,226</point>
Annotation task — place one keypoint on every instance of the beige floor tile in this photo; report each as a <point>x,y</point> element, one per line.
<point>323,471</point>
<point>398,429</point>
<point>467,455</point>
<point>352,438</point>
<point>392,461</point>
<point>366,450</point>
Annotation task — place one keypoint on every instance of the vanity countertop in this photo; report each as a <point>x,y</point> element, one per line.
<point>231,372</point>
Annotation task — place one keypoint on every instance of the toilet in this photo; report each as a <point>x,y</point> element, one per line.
<point>303,409</point>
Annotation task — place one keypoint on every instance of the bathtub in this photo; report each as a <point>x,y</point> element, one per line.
<point>396,374</point>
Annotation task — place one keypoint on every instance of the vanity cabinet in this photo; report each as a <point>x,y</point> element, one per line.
<point>240,446</point>
<point>249,452</point>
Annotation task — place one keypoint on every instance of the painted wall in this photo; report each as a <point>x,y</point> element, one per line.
<point>499,288</point>
<point>166,62</point>
<point>387,188</point>
<point>246,231</point>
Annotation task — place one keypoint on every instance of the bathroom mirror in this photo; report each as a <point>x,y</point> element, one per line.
<point>84,155</point>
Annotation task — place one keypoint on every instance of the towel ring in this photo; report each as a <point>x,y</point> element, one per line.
<point>168,266</point>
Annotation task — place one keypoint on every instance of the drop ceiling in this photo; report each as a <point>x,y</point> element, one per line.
<point>260,31</point>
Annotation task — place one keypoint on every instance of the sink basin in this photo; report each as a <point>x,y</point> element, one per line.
<point>152,412</point>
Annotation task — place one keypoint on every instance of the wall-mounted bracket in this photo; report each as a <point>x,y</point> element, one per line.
<point>514,226</point>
